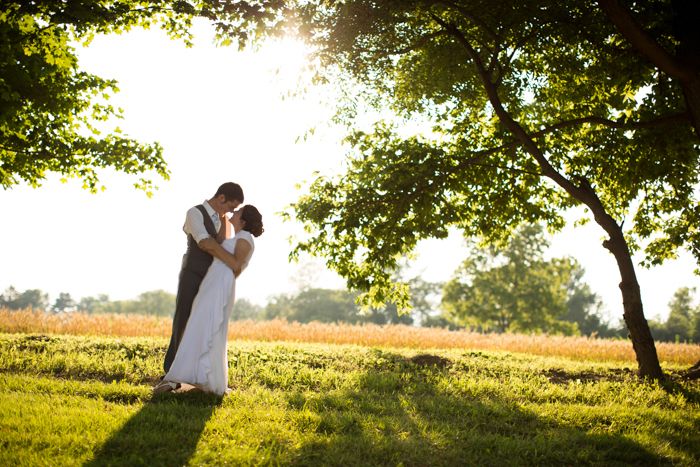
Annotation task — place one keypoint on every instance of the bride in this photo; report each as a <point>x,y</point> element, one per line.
<point>201,358</point>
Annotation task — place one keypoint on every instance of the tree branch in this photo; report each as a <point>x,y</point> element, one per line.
<point>420,42</point>
<point>495,101</point>
<point>682,117</point>
<point>493,35</point>
<point>45,154</point>
<point>665,120</point>
<point>643,42</point>
<point>510,169</point>
<point>583,193</point>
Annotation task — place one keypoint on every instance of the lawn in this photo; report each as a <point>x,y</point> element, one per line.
<point>69,400</point>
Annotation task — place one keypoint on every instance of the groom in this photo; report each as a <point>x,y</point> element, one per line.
<point>206,227</point>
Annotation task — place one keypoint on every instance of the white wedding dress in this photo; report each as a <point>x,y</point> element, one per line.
<point>201,358</point>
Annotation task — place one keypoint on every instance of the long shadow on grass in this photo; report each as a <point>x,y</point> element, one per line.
<point>407,417</point>
<point>165,431</point>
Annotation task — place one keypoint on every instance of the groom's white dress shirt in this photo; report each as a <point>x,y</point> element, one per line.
<point>194,222</point>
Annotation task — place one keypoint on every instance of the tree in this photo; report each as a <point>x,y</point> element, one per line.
<point>92,304</point>
<point>156,302</point>
<point>695,328</point>
<point>683,319</point>
<point>424,302</point>
<point>532,108</point>
<point>583,308</point>
<point>314,304</point>
<point>516,289</point>
<point>329,306</point>
<point>153,302</point>
<point>680,317</point>
<point>30,298</point>
<point>33,298</point>
<point>9,297</point>
<point>122,307</point>
<point>55,117</point>
<point>64,302</point>
<point>245,309</point>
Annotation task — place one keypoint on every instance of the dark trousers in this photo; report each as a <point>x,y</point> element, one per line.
<point>187,289</point>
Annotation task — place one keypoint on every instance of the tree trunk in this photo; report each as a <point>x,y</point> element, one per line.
<point>640,334</point>
<point>642,342</point>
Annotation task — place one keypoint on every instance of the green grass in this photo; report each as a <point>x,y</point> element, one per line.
<point>85,400</point>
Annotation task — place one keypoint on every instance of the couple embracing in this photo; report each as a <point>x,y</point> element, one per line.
<point>197,354</point>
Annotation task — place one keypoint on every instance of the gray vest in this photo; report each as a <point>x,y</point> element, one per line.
<point>196,259</point>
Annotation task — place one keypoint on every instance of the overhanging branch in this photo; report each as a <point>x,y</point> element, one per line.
<point>681,117</point>
<point>420,42</point>
<point>643,42</point>
<point>580,193</point>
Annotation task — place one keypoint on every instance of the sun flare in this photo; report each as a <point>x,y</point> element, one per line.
<point>289,58</point>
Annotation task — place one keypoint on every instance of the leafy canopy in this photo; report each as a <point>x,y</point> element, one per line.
<point>54,117</point>
<point>604,120</point>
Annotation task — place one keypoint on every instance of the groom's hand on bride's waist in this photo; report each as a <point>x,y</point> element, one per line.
<point>212,247</point>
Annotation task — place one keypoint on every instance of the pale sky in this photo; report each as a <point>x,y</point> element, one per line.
<point>221,116</point>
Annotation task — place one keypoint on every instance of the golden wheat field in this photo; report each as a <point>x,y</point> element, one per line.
<point>580,348</point>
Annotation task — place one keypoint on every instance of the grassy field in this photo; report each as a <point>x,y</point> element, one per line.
<point>68,400</point>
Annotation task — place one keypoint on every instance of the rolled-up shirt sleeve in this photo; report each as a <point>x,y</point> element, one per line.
<point>194,225</point>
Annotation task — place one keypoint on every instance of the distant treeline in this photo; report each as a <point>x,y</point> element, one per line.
<point>508,289</point>
<point>156,302</point>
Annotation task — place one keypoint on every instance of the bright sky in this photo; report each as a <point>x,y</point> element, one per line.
<point>221,116</point>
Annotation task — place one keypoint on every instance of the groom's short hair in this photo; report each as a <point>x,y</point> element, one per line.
<point>231,191</point>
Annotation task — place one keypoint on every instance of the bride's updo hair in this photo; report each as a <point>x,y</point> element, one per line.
<point>253,220</point>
